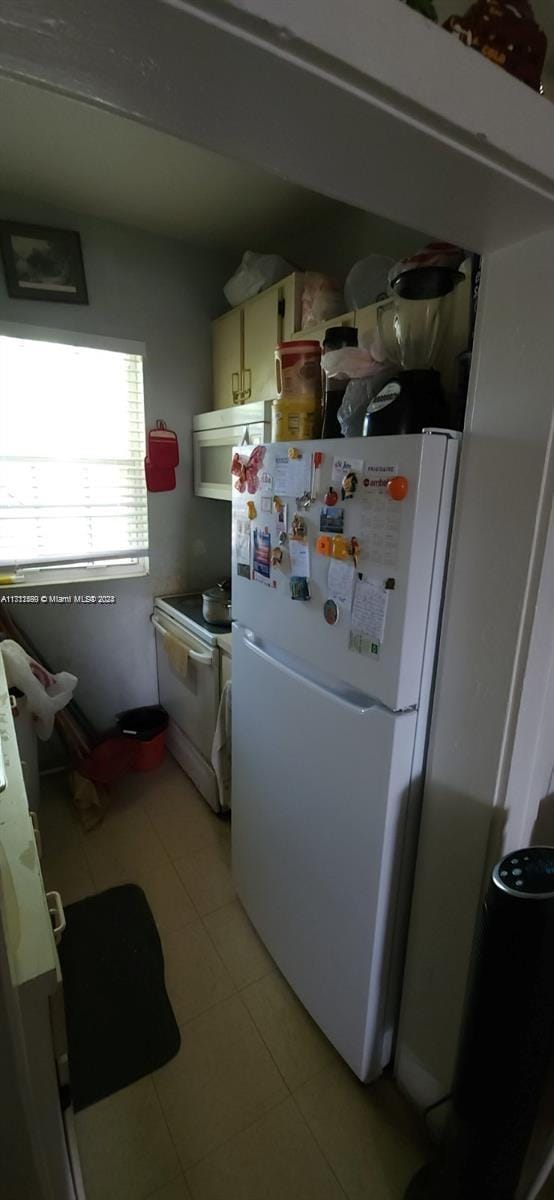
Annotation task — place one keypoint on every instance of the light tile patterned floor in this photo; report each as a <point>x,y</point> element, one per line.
<point>257,1105</point>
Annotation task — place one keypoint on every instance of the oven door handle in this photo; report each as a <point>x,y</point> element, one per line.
<point>203,660</point>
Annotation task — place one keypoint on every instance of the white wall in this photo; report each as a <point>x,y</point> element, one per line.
<point>530,788</point>
<point>162,293</point>
<point>501,523</point>
<point>335,244</point>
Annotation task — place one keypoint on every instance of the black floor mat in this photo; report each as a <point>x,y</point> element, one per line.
<point>120,1023</point>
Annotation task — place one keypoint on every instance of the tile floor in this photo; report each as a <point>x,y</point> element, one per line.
<point>257,1105</point>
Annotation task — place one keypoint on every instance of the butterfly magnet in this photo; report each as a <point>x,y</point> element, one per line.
<point>247,471</point>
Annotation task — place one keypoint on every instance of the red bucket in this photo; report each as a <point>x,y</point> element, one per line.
<point>145,730</point>
<point>148,755</point>
<point>108,761</point>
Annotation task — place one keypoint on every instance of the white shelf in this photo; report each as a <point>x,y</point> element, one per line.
<point>420,66</point>
<point>370,103</point>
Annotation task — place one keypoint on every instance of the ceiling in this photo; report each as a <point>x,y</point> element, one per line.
<point>85,158</point>
<point>88,161</point>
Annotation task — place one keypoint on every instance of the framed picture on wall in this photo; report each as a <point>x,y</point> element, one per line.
<point>42,263</point>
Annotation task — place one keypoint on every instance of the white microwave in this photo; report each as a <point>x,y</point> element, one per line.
<point>213,436</point>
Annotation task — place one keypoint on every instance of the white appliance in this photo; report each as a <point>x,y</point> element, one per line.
<point>330,720</point>
<point>190,694</point>
<point>213,436</point>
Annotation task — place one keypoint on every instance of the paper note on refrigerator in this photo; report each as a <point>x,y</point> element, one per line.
<point>242,546</point>
<point>266,483</point>
<point>369,610</point>
<point>292,476</point>
<point>340,583</point>
<point>299,559</point>
<point>261,556</point>
<point>342,466</point>
<point>380,527</point>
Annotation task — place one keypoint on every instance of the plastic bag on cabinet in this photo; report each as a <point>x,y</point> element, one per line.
<point>255,273</point>
<point>322,299</point>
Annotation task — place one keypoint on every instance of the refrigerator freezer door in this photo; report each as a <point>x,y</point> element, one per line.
<point>321,787</point>
<point>397,544</point>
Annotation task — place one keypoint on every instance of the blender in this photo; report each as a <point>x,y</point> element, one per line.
<point>412,325</point>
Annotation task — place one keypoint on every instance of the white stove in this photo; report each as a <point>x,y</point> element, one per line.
<point>189,683</point>
<point>187,610</point>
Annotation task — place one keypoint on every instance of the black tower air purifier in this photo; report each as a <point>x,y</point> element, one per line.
<point>507,1037</point>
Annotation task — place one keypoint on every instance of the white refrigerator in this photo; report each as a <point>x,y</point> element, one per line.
<point>339,555</point>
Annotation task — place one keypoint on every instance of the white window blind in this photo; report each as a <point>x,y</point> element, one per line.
<point>72,486</point>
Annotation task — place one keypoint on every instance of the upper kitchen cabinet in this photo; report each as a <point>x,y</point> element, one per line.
<point>366,320</point>
<point>269,318</point>
<point>316,333</point>
<point>244,341</point>
<point>227,358</point>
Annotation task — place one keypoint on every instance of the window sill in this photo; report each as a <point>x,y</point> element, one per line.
<point>62,577</point>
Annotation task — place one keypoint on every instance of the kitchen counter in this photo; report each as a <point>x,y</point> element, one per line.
<point>188,610</point>
<point>27,925</point>
<point>225,642</point>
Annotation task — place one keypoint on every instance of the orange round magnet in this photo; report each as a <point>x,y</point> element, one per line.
<point>323,545</point>
<point>397,487</point>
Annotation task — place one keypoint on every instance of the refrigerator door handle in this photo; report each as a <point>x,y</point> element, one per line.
<point>354,701</point>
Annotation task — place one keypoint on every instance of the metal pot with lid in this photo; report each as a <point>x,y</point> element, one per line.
<point>216,603</point>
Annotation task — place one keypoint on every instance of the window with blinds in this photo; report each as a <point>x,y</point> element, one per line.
<point>72,489</point>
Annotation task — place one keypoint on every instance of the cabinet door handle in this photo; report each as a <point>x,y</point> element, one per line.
<point>235,387</point>
<point>55,908</point>
<point>246,384</point>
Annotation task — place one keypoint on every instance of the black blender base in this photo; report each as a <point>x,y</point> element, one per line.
<point>409,402</point>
